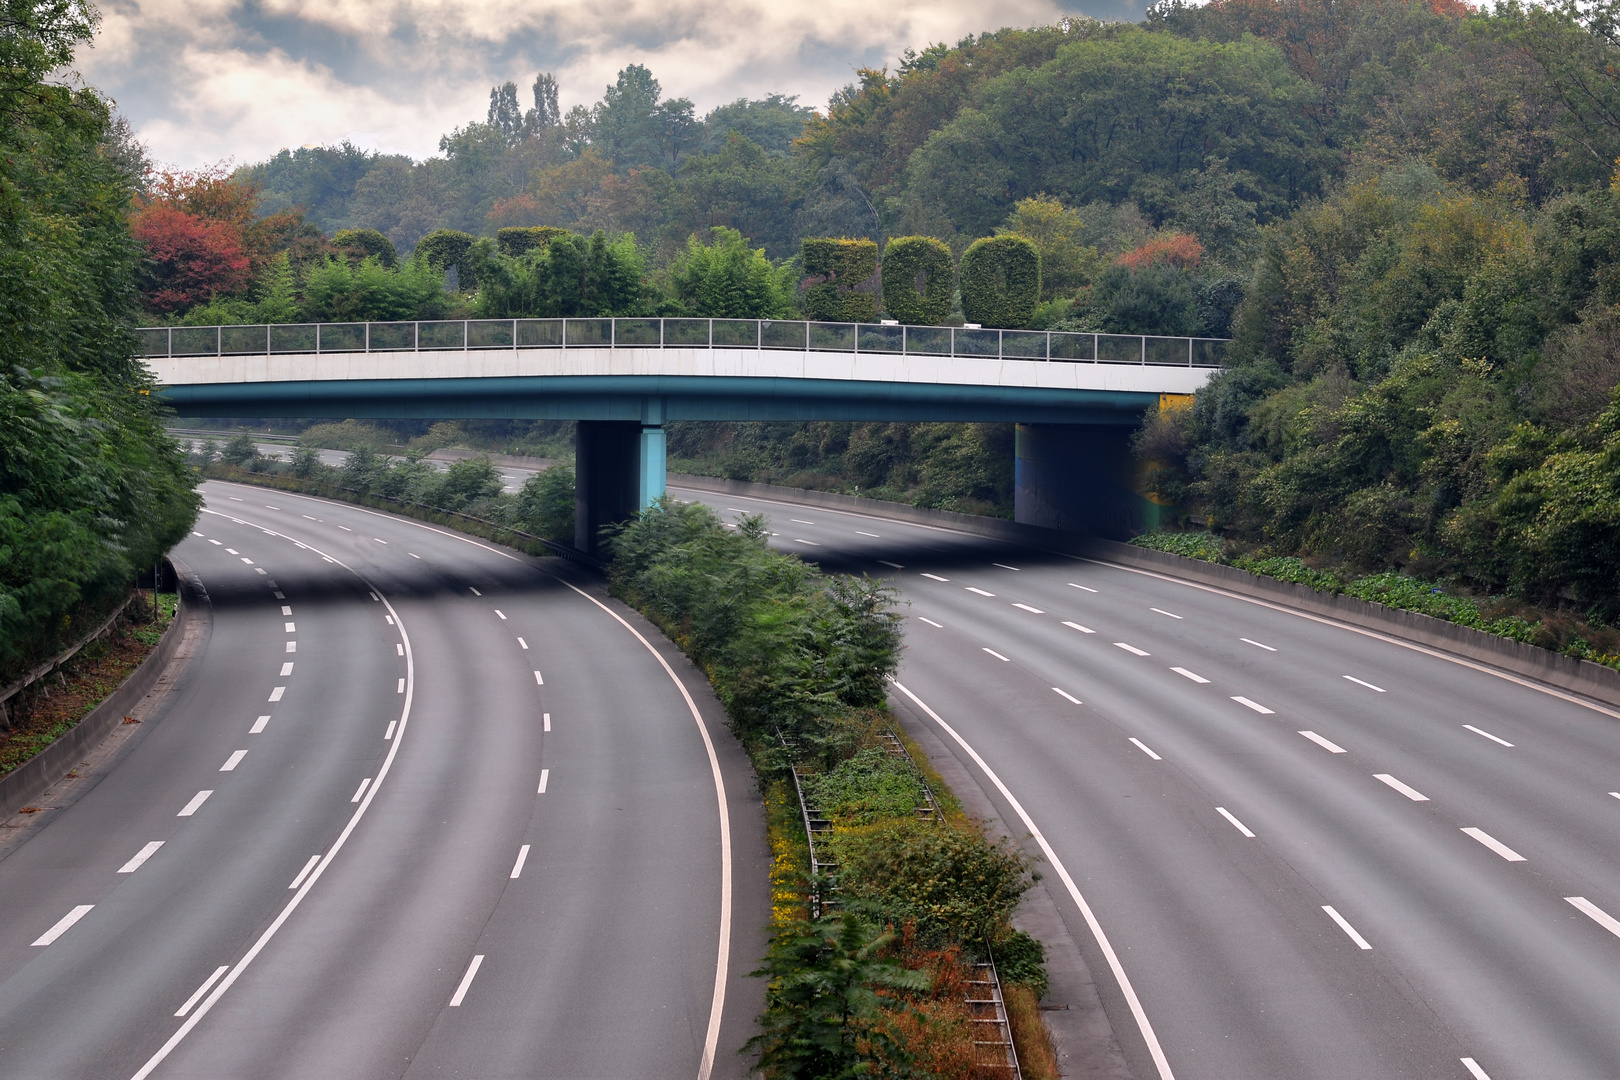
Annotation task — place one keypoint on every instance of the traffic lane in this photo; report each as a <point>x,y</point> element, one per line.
<point>156,932</point>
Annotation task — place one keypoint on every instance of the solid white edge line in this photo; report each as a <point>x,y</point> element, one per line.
<point>522,857</point>
<point>1140,1015</point>
<point>1488,735</point>
<point>466,981</point>
<point>1242,828</point>
<point>1067,696</point>
<point>1595,913</point>
<point>140,857</point>
<point>302,874</point>
<point>1329,746</point>
<point>63,925</point>
<point>203,989</point>
<point>320,868</point>
<point>1405,789</point>
<point>1142,746</point>
<point>1495,845</point>
<point>1344,925</point>
<point>1474,1070</point>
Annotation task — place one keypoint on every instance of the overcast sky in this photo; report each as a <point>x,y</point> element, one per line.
<point>206,80</point>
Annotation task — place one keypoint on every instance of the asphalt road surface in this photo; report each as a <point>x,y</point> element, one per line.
<point>1313,852</point>
<point>419,808</point>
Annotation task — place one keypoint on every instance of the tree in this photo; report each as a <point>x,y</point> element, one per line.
<point>1058,233</point>
<point>726,279</point>
<point>189,259</point>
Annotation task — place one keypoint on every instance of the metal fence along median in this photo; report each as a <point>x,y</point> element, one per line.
<point>469,334</point>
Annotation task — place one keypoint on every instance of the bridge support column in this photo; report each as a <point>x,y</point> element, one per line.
<point>619,469</point>
<point>1080,478</point>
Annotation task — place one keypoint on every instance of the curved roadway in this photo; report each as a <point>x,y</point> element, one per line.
<point>420,808</point>
<point>1315,852</point>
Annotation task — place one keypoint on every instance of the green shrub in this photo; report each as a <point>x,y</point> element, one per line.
<point>1199,545</point>
<point>1021,959</point>
<point>839,283</point>
<point>1001,281</point>
<point>728,279</point>
<point>514,240</point>
<point>919,278</point>
<point>367,243</point>
<point>871,785</point>
<point>545,505</point>
<point>444,248</point>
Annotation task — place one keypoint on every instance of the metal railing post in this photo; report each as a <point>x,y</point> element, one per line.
<point>368,336</point>
<point>1144,350</point>
<point>317,338</point>
<point>219,341</point>
<point>660,333</point>
<point>1189,352</point>
<point>267,339</point>
<point>1001,344</point>
<point>711,333</point>
<point>1048,347</point>
<point>565,333</point>
<point>759,335</point>
<point>464,335</point>
<point>856,327</point>
<point>416,337</point>
<point>514,335</point>
<point>613,333</point>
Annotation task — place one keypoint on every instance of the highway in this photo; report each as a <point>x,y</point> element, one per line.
<point>419,808</point>
<point>1313,852</point>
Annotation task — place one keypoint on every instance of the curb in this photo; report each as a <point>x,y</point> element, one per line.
<point>1553,669</point>
<point>36,775</point>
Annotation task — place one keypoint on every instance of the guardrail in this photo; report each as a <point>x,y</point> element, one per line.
<point>876,338</point>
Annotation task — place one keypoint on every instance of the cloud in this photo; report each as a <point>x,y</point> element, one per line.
<point>203,80</point>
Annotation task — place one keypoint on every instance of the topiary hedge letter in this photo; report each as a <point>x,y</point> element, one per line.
<point>515,240</point>
<point>840,282</point>
<point>444,248</point>
<point>1001,281</point>
<point>919,276</point>
<point>367,242</point>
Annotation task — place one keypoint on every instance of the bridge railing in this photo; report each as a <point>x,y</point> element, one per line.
<point>788,335</point>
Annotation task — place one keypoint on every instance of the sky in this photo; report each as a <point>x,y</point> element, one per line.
<point>206,81</point>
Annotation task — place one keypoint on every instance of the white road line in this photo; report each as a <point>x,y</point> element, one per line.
<point>931,622</point>
<point>1161,611</point>
<point>278,595</point>
<point>267,506</point>
<point>389,619</point>
<point>389,734</point>
<point>466,980</point>
<point>306,517</point>
<point>63,924</point>
<point>196,534</point>
<point>539,680</point>
<point>545,775</point>
<point>1487,734</point>
<point>997,655</point>
<point>501,613</point>
<point>981,592</point>
<point>874,536</point>
<point>1004,566</point>
<point>801,521</point>
<point>1131,649</point>
<point>374,596</point>
<point>232,551</point>
<point>1067,696</point>
<point>886,562</point>
<point>292,646</point>
<point>401,687</point>
<point>304,873</point>
<point>247,560</point>
<point>736,510</point>
<point>1077,626</point>
<point>801,540</point>
<point>1616,794</point>
<point>1031,610</point>
<point>361,790</point>
<point>1474,1070</point>
<point>545,721</point>
<point>216,543</point>
<point>523,644</point>
<point>196,801</point>
<point>1360,941</point>
<point>1330,747</point>
<point>1363,682</point>
<point>523,857</point>
<point>380,540</point>
<point>1142,746</point>
<point>233,761</point>
<point>1596,914</point>
<point>1086,588</point>
<point>1410,793</point>
<point>140,857</point>
<point>286,669</point>
<point>203,989</point>
<point>475,592</point>
<point>1188,674</point>
<point>413,554</point>
<point>1255,705</point>
<point>1129,992</point>
<point>1236,824</point>
<point>935,577</point>
<point>1256,644</point>
<point>399,650</point>
<point>258,725</point>
<point>1495,845</point>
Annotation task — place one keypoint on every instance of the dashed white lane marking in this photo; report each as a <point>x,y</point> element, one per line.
<point>247,560</point>
<point>1190,675</point>
<point>233,761</point>
<point>1596,914</point>
<point>375,597</point>
<point>539,680</point>
<point>399,650</point>
<point>935,577</point>
<point>380,540</point>
<point>267,506</point>
<point>1256,644</point>
<point>1488,735</point>
<point>895,565</point>
<point>475,592</point>
<point>545,721</point>
<point>1236,824</point>
<point>801,540</point>
<point>501,613</point>
<point>1085,588</point>
<point>306,517</point>
<point>523,857</point>
<point>232,551</point>
<point>1161,611</point>
<point>389,734</point>
<point>801,521</point>
<point>304,873</point>
<point>203,989</point>
<point>1067,696</point>
<point>931,622</point>
<point>233,498</point>
<point>140,857</point>
<point>260,570</point>
<point>1077,626</point>
<point>1031,610</point>
<point>292,646</point>
<point>1255,705</point>
<point>63,924</point>
<point>1361,942</point>
<point>1616,794</point>
<point>997,655</point>
<point>1495,845</point>
<point>1363,682</point>
<point>196,534</point>
<point>1142,746</point>
<point>981,592</point>
<point>275,695</point>
<point>874,536</point>
<point>1131,649</point>
<point>523,644</point>
<point>286,669</point>
<point>736,510</point>
<point>360,791</point>
<point>1474,1070</point>
<point>466,980</point>
<point>413,554</point>
<point>345,528</point>
<point>1004,566</point>
<point>258,725</point>
<point>401,688</point>
<point>1409,792</point>
<point>279,595</point>
<point>389,619</point>
<point>1330,747</point>
<point>216,543</point>
<point>545,775</point>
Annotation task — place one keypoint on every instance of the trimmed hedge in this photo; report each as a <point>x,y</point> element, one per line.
<point>919,277</point>
<point>444,248</point>
<point>369,241</point>
<point>514,240</point>
<point>1001,281</point>
<point>840,279</point>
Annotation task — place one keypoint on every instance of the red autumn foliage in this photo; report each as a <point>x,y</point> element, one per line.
<point>1178,249</point>
<point>189,259</point>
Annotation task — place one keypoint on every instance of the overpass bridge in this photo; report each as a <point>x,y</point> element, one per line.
<point>1075,397</point>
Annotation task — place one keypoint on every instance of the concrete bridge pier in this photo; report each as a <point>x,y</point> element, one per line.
<point>1081,478</point>
<point>619,470</point>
